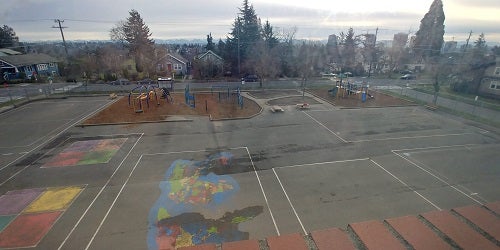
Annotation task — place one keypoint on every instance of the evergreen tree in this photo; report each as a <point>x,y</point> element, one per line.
<point>349,43</point>
<point>268,35</point>
<point>429,37</point>
<point>138,41</point>
<point>210,43</point>
<point>244,35</point>
<point>137,33</point>
<point>8,37</point>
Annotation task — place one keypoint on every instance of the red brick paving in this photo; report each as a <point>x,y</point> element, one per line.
<point>287,242</point>
<point>200,247</point>
<point>494,206</point>
<point>482,218</point>
<point>332,239</point>
<point>376,236</point>
<point>417,234</point>
<point>458,231</point>
<point>241,245</point>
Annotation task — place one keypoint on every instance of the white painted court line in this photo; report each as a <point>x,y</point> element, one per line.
<point>47,141</point>
<point>99,194</point>
<point>130,175</point>
<point>290,202</point>
<point>437,177</point>
<point>406,185</point>
<point>321,124</point>
<point>323,163</point>
<point>263,192</point>
<point>412,137</point>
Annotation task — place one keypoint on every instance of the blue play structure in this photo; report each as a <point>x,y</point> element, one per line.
<point>190,100</point>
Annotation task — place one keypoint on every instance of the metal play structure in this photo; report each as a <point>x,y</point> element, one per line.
<point>144,94</point>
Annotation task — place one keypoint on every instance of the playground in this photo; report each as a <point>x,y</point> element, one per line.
<point>170,185</point>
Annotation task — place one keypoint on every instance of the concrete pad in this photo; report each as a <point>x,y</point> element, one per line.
<point>375,235</point>
<point>417,234</point>
<point>287,242</point>
<point>458,231</point>
<point>481,218</point>
<point>241,245</point>
<point>332,239</point>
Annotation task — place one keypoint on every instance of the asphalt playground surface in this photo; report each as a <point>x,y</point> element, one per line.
<point>101,187</point>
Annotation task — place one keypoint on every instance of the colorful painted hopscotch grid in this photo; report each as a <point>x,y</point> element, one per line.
<point>87,152</point>
<point>27,215</point>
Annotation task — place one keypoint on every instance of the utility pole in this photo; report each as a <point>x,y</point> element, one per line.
<point>58,21</point>
<point>467,44</point>
<point>372,52</point>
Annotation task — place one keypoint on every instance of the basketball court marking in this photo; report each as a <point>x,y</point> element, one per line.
<point>177,152</point>
<point>343,161</point>
<point>99,194</point>
<point>406,185</point>
<point>406,158</point>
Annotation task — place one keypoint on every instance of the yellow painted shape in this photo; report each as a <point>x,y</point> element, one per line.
<point>53,199</point>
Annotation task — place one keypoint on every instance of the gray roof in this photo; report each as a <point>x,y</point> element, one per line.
<point>28,59</point>
<point>8,52</point>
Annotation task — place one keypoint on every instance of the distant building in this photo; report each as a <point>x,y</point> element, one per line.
<point>400,40</point>
<point>32,65</point>
<point>332,40</point>
<point>450,47</point>
<point>370,39</point>
<point>490,84</point>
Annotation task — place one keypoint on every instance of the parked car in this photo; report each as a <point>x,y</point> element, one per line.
<point>408,77</point>
<point>121,81</point>
<point>250,78</point>
<point>405,72</point>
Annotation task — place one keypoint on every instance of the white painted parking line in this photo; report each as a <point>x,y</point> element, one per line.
<point>323,163</point>
<point>99,194</point>
<point>290,202</point>
<point>263,192</point>
<point>412,137</point>
<point>406,158</point>
<point>406,185</point>
<point>321,124</point>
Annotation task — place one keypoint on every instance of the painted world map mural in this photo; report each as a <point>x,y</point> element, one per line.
<point>191,186</point>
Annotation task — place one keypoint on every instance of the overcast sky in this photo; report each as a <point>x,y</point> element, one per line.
<point>194,19</point>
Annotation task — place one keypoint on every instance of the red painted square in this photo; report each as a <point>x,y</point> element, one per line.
<point>27,230</point>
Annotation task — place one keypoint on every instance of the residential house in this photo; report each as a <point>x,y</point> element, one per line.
<point>490,85</point>
<point>9,52</point>
<point>208,64</point>
<point>32,65</point>
<point>173,63</point>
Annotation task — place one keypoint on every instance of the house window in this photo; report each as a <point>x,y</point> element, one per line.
<point>160,67</point>
<point>494,85</point>
<point>52,65</point>
<point>42,67</point>
<point>29,68</point>
<point>177,67</point>
<point>497,71</point>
